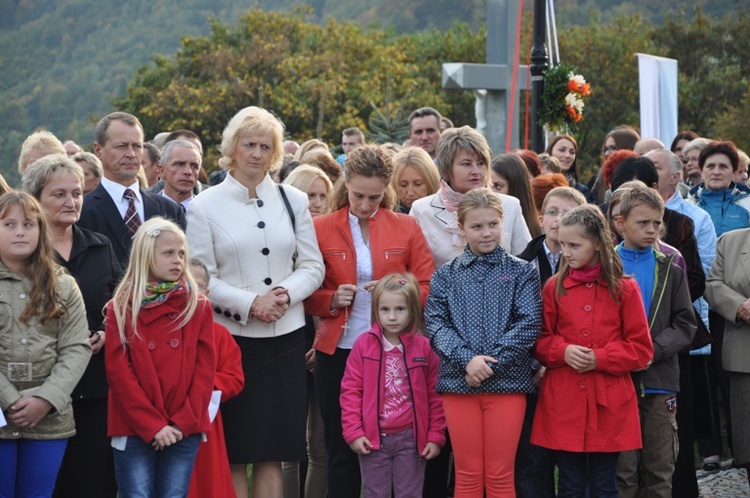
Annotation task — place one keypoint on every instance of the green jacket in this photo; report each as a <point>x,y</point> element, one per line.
<point>53,355</point>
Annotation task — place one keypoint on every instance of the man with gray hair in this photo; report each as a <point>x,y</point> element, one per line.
<point>669,169</point>
<point>178,168</point>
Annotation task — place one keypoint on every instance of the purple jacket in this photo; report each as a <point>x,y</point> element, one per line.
<point>362,389</point>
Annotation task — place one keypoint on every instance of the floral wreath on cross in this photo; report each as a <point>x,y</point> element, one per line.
<point>563,98</point>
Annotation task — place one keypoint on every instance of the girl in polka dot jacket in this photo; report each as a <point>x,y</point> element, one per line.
<point>483,315</point>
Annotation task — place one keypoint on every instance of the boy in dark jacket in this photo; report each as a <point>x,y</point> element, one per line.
<point>666,299</point>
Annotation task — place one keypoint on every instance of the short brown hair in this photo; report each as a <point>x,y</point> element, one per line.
<point>103,125</point>
<point>636,194</point>
<point>454,140</point>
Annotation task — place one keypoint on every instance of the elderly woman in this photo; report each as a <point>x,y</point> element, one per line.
<point>361,241</point>
<point>92,170</point>
<point>414,176</point>
<point>728,291</point>
<point>258,243</point>
<point>691,173</point>
<point>463,161</point>
<point>37,145</point>
<point>57,183</point>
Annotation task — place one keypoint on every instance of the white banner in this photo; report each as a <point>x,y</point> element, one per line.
<point>658,89</point>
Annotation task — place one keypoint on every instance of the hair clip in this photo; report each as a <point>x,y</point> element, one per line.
<point>402,282</point>
<point>153,232</point>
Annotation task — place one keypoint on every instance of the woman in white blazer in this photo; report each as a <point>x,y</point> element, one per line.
<point>463,160</point>
<point>257,240</point>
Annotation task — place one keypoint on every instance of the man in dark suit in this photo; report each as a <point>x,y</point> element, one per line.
<point>118,206</point>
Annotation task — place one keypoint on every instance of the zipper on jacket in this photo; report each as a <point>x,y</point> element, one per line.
<point>388,253</point>
<point>336,253</point>
<point>663,289</point>
<point>415,433</point>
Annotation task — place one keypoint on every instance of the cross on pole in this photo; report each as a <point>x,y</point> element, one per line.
<point>496,76</point>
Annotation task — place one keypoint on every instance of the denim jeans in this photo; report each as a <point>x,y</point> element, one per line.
<point>29,467</point>
<point>586,475</point>
<point>143,472</point>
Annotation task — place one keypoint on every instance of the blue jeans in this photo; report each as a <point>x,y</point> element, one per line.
<point>143,472</point>
<point>587,475</point>
<point>29,467</point>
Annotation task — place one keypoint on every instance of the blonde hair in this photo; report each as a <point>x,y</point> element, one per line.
<point>639,194</point>
<point>420,160</point>
<point>131,291</point>
<point>567,193</point>
<point>252,120</point>
<point>309,146</point>
<point>453,141</point>
<point>594,227</point>
<point>303,176</point>
<point>40,266</point>
<point>41,171</point>
<point>478,198</point>
<point>37,145</point>
<point>406,284</point>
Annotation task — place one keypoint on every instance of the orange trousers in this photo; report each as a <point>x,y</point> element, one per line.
<point>484,431</point>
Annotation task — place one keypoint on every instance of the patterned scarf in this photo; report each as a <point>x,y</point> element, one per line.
<point>450,197</point>
<point>158,292</point>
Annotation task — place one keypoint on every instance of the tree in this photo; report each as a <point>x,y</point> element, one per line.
<point>317,79</point>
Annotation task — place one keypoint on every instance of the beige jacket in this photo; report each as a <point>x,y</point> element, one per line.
<point>44,361</point>
<point>727,287</point>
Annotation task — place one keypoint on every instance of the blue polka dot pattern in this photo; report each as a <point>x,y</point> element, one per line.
<point>485,305</point>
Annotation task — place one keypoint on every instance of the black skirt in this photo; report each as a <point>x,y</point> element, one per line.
<point>266,421</point>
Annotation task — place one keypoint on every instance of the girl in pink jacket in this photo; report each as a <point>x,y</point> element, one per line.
<point>391,415</point>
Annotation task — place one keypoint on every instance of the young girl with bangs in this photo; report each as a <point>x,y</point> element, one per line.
<point>392,417</point>
<point>44,350</point>
<point>483,315</point>
<point>594,333</point>
<point>160,364</point>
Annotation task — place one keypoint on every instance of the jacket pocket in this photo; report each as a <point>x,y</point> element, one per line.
<point>396,259</point>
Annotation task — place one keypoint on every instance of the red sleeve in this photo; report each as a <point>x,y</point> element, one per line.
<point>421,263</point>
<point>550,346</point>
<point>230,379</point>
<point>436,429</point>
<point>194,412</point>
<point>635,349</point>
<point>133,404</point>
<point>351,395</point>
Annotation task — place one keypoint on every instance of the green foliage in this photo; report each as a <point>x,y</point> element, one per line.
<point>391,127</point>
<point>317,79</point>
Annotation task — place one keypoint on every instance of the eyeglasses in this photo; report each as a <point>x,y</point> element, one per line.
<point>554,212</point>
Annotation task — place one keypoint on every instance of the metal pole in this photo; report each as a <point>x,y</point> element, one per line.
<point>538,66</point>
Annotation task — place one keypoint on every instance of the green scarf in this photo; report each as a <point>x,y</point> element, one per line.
<point>158,292</point>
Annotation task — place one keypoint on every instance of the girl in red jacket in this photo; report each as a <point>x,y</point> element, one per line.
<point>160,364</point>
<point>594,333</point>
<point>391,415</point>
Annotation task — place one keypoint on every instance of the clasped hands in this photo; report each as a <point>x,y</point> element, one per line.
<point>270,307</point>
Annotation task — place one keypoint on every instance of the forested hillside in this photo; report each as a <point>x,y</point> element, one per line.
<point>64,61</point>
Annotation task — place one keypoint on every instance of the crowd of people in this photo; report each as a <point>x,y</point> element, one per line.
<point>344,323</point>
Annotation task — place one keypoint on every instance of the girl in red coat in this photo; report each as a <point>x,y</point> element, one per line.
<point>160,364</point>
<point>391,415</point>
<point>594,333</point>
<point>212,477</point>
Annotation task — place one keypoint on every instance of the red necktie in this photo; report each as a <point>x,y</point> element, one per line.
<point>132,220</point>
